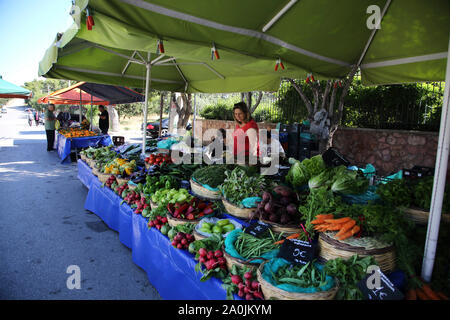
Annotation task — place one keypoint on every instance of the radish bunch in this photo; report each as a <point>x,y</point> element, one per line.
<point>141,204</point>
<point>120,189</point>
<point>132,197</point>
<point>158,222</point>
<point>212,259</point>
<point>182,240</point>
<point>111,180</point>
<point>248,287</point>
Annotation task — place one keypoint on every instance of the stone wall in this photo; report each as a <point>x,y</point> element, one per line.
<point>388,150</point>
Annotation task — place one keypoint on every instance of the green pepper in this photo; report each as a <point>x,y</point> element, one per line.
<point>228,227</point>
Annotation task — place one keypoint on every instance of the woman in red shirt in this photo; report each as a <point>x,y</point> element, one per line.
<point>245,134</point>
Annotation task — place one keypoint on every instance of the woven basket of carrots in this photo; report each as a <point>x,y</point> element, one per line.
<point>335,242</point>
<point>420,290</point>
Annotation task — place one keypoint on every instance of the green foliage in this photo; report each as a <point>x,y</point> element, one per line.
<point>408,106</point>
<point>219,111</point>
<point>41,88</point>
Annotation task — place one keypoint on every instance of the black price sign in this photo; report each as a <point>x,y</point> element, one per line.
<point>257,229</point>
<point>384,291</point>
<point>297,251</point>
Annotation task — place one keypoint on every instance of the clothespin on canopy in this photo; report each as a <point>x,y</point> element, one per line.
<point>214,52</point>
<point>160,47</point>
<point>279,64</point>
<point>89,20</point>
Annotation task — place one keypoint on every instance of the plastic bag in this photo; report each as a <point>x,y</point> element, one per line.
<point>213,220</point>
<point>251,202</point>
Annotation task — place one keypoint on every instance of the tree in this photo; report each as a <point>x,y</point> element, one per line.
<point>185,111</point>
<point>248,96</point>
<point>322,112</point>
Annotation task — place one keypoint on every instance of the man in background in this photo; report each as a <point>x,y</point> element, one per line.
<point>103,121</point>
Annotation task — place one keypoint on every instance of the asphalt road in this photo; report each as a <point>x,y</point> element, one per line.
<point>44,228</point>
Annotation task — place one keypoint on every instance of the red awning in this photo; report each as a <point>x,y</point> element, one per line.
<point>71,95</point>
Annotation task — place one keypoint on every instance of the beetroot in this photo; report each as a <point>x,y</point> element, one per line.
<point>291,209</point>
<point>236,279</point>
<point>248,296</point>
<point>273,218</point>
<point>285,201</point>
<point>265,215</point>
<point>284,219</point>
<point>266,196</point>
<point>269,207</point>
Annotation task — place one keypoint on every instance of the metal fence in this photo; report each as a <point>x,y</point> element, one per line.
<point>405,107</point>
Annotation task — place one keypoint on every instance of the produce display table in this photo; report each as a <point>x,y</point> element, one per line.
<point>65,145</point>
<point>84,173</point>
<point>171,271</point>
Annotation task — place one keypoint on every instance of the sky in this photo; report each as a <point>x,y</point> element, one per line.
<point>27,29</point>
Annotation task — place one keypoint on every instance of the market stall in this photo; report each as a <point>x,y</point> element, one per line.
<point>190,250</point>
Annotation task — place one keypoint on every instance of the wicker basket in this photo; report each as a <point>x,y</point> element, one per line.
<point>90,162</point>
<point>271,292</point>
<point>95,171</point>
<point>199,190</point>
<point>173,222</point>
<point>331,249</point>
<point>103,177</point>
<point>235,211</point>
<point>230,261</point>
<point>122,180</point>
<point>279,228</point>
<point>83,157</point>
<point>197,235</point>
<point>421,216</point>
<point>153,205</point>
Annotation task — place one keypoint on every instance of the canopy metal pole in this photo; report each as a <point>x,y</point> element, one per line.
<point>440,175</point>
<point>161,106</point>
<point>148,66</point>
<point>195,113</point>
<point>91,115</point>
<point>80,107</point>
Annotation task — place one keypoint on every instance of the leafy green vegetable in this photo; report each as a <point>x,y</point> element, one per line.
<point>212,175</point>
<point>349,182</point>
<point>305,276</point>
<point>322,179</point>
<point>239,185</point>
<point>301,172</point>
<point>349,272</point>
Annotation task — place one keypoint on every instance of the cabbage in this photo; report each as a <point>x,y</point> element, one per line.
<point>301,172</point>
<point>349,183</point>
<point>322,179</point>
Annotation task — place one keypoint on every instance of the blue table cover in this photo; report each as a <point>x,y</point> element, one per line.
<point>171,271</point>
<point>84,173</point>
<point>65,145</point>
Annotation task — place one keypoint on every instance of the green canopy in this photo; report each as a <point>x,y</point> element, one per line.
<point>9,90</point>
<point>318,36</point>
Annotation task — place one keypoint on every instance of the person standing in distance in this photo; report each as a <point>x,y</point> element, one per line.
<point>50,120</point>
<point>103,121</point>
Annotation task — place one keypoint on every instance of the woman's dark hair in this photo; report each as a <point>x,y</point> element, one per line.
<point>243,107</point>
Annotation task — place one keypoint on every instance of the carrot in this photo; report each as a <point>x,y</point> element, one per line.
<point>346,235</point>
<point>324,216</point>
<point>442,295</point>
<point>429,292</point>
<point>292,236</point>
<point>348,225</point>
<point>317,221</point>
<point>334,227</point>
<point>355,229</point>
<point>338,221</point>
<point>421,295</point>
<point>411,295</point>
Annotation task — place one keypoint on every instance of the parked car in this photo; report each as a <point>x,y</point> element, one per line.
<point>4,110</point>
<point>153,128</point>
